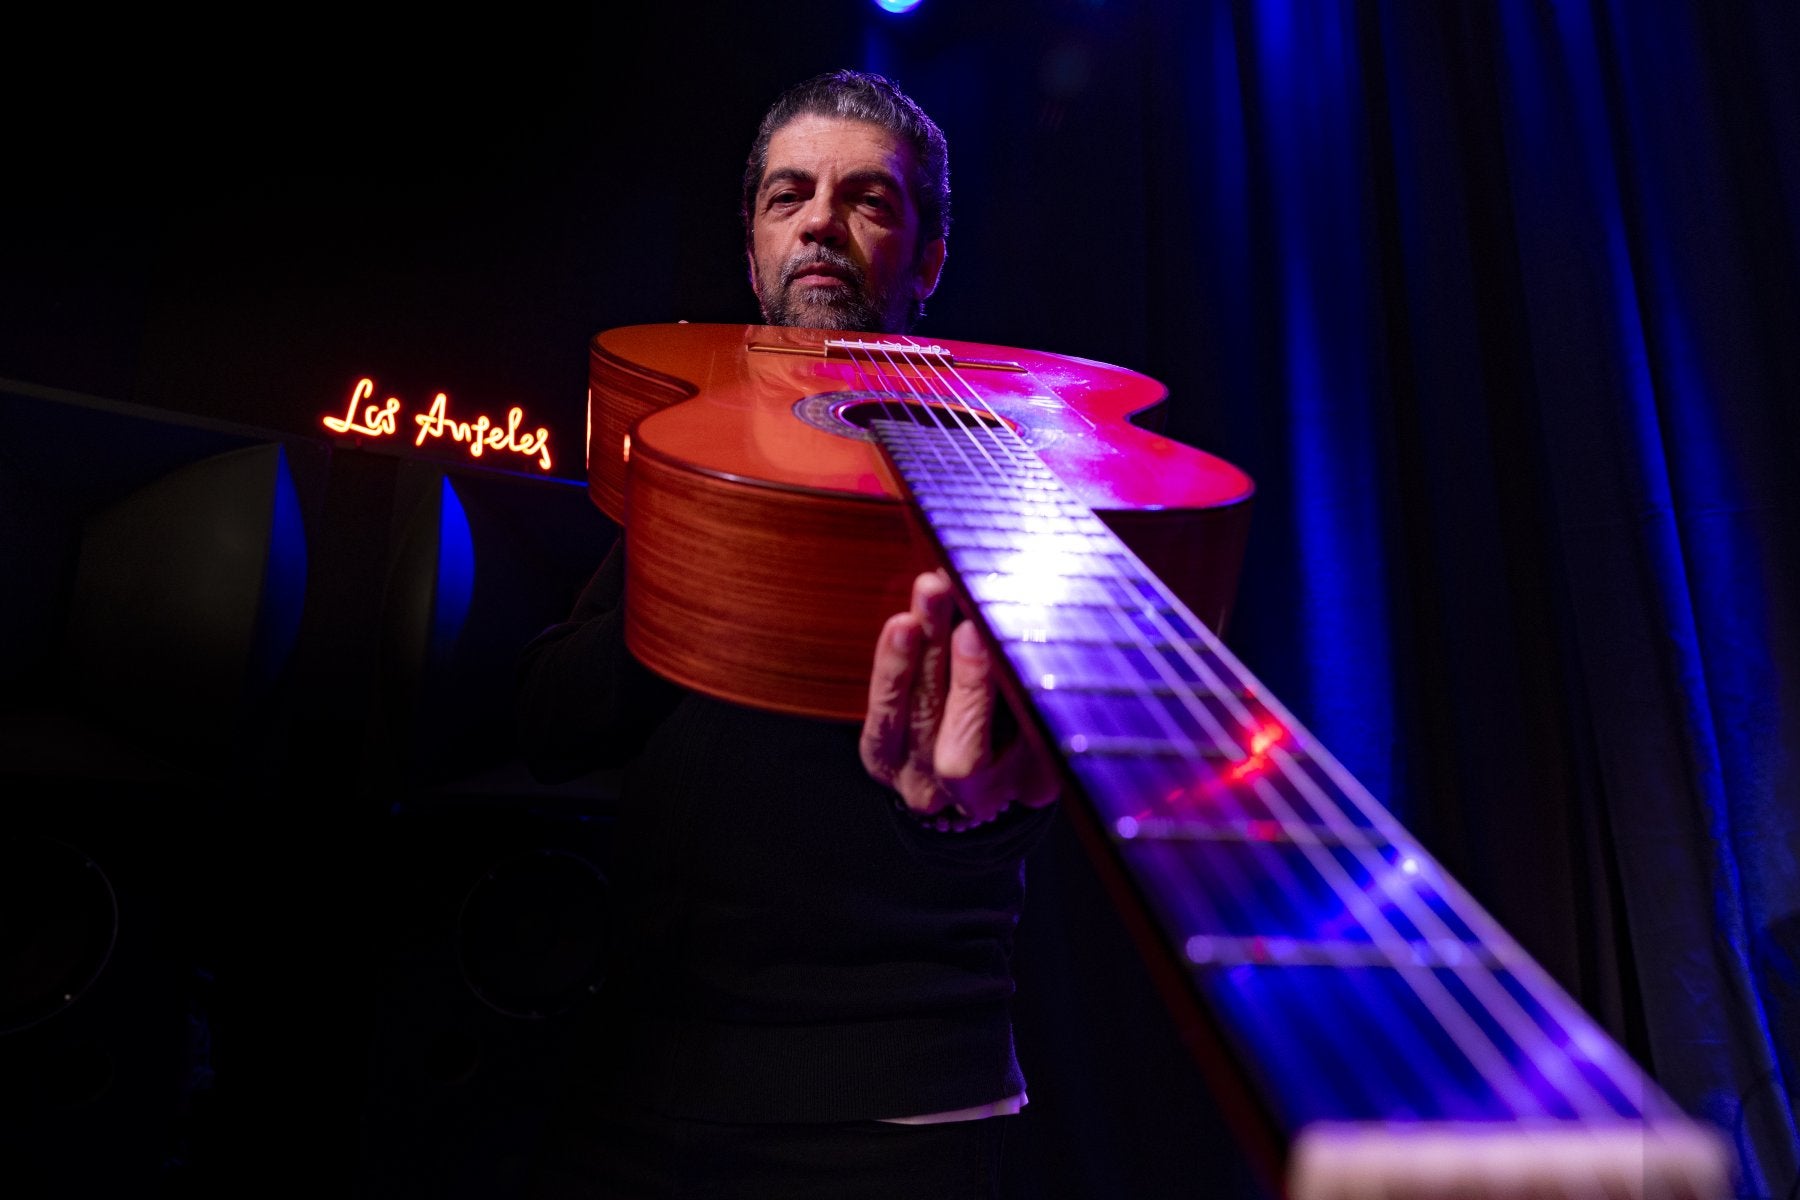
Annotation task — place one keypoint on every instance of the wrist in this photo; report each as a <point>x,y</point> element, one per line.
<point>947,820</point>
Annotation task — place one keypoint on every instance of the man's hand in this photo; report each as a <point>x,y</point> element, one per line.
<point>929,730</point>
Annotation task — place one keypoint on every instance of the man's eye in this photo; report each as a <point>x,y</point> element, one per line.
<point>874,201</point>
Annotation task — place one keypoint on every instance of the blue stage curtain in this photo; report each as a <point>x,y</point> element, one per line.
<point>1501,306</point>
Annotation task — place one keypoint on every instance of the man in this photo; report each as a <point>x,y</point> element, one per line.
<point>813,922</point>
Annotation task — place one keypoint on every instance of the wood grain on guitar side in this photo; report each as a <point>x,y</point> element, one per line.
<point>765,554</point>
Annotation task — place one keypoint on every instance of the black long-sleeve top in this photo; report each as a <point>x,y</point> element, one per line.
<point>788,944</point>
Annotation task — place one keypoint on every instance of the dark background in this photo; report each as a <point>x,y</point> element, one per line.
<point>213,229</point>
<point>326,930</point>
<point>242,228</point>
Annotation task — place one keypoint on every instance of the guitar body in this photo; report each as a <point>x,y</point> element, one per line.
<point>768,539</point>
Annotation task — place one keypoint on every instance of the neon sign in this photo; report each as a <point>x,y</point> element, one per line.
<point>479,435</point>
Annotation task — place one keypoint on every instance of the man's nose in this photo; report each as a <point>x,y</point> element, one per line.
<point>822,223</point>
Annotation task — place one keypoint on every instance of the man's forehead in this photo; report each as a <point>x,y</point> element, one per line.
<point>812,143</point>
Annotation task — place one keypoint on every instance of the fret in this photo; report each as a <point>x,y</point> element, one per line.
<point>1487,1022</point>
<point>1230,734</point>
<point>1084,625</point>
<point>1079,566</point>
<point>1187,829</point>
<point>1127,790</point>
<point>1125,626</point>
<point>1136,724</point>
<point>1107,664</point>
<point>1008,519</point>
<point>975,477</point>
<point>1117,591</point>
<point>1212,950</point>
<point>978,476</point>
<point>955,491</point>
<point>903,437</point>
<point>996,589</point>
<point>994,443</point>
<point>987,538</point>
<point>1125,745</point>
<point>1276,888</point>
<point>1050,683</point>
<point>1234,719</point>
<point>980,472</point>
<point>978,537</point>
<point>1374,1050</point>
<point>1038,506</point>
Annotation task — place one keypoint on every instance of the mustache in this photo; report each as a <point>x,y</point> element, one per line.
<point>822,256</point>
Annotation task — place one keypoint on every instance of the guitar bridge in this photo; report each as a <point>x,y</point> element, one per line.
<point>887,351</point>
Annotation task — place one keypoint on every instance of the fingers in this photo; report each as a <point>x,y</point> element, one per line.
<point>981,784</point>
<point>929,729</point>
<point>906,696</point>
<point>966,729</point>
<point>884,737</point>
<point>931,608</point>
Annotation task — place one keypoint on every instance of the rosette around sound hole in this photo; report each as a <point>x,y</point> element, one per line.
<point>848,414</point>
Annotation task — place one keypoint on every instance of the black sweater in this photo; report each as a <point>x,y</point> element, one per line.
<point>788,944</point>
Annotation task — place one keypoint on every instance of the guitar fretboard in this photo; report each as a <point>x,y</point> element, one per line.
<point>1362,986</point>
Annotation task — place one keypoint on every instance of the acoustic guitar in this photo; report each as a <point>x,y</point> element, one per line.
<point>1369,1028</point>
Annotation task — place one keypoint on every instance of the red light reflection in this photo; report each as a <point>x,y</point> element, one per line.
<point>1262,739</point>
<point>1209,788</point>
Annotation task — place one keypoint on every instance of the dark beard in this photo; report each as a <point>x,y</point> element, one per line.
<point>854,309</point>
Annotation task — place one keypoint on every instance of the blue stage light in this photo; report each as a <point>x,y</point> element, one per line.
<point>897,6</point>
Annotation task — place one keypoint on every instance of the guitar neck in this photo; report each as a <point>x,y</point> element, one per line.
<point>1384,1035</point>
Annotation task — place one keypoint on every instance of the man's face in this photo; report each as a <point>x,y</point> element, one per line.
<point>834,236</point>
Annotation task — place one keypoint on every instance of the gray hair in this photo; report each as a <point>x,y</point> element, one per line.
<point>862,96</point>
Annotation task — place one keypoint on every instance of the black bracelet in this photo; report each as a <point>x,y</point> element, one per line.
<point>939,822</point>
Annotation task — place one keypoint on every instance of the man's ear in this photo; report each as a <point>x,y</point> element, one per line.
<point>931,263</point>
<point>750,257</point>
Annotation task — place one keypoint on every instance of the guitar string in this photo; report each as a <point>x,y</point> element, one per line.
<point>1449,1014</point>
<point>1535,985</point>
<point>1483,987</point>
<point>1495,999</point>
<point>1486,989</point>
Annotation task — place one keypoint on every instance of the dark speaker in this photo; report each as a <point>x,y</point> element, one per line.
<point>482,562</point>
<point>493,919</point>
<point>156,571</point>
<point>106,985</point>
<point>277,898</point>
<point>486,893</point>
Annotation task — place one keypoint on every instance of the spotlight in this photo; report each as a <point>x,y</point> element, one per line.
<point>896,6</point>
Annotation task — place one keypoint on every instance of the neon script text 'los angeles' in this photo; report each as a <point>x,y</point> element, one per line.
<point>479,435</point>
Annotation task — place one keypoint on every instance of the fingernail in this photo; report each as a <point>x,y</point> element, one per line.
<point>968,641</point>
<point>902,638</point>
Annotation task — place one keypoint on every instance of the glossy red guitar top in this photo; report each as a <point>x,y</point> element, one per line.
<point>768,538</point>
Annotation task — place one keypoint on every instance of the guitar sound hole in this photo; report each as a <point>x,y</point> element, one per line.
<point>850,414</point>
<point>951,416</point>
